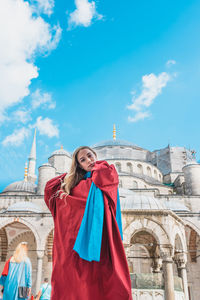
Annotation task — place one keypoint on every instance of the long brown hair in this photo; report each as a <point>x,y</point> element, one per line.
<point>76,173</point>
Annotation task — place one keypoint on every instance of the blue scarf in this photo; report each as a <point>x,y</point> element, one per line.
<point>89,238</point>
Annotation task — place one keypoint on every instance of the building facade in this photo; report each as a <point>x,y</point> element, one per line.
<point>160,203</point>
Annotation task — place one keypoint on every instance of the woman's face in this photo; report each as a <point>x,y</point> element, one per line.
<point>86,159</point>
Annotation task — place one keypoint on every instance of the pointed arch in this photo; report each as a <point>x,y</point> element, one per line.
<point>23,221</point>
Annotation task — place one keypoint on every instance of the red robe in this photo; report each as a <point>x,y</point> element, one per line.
<point>72,277</point>
<point>6,268</point>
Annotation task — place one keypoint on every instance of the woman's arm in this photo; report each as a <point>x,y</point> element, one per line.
<point>105,177</point>
<point>51,192</point>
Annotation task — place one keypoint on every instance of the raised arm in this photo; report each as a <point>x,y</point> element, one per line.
<point>105,177</point>
<point>51,192</point>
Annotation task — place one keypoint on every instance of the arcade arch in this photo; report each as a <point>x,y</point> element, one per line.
<point>147,225</point>
<point>143,252</point>
<point>11,235</point>
<point>3,244</point>
<point>47,260</point>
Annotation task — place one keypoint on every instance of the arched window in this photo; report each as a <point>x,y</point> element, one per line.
<point>140,169</point>
<point>149,171</point>
<point>135,184</point>
<point>120,183</point>
<point>129,167</point>
<point>160,178</point>
<point>155,174</point>
<point>118,167</point>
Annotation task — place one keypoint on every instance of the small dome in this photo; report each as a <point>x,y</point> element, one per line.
<point>24,206</point>
<point>114,143</point>
<point>21,186</point>
<point>61,152</point>
<point>137,201</point>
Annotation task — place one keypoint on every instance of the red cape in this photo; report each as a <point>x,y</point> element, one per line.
<point>6,268</point>
<point>72,277</point>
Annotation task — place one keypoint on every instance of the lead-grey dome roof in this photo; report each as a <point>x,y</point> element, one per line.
<point>21,186</point>
<point>136,201</point>
<point>175,205</point>
<point>61,152</point>
<point>114,143</point>
<point>24,206</point>
<point>47,165</point>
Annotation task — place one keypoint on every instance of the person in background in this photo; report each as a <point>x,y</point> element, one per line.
<point>17,273</point>
<point>45,290</point>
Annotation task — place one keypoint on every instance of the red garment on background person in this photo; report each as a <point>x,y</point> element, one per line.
<point>6,268</point>
<point>72,277</point>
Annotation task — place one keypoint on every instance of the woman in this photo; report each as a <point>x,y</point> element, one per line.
<point>17,273</point>
<point>89,261</point>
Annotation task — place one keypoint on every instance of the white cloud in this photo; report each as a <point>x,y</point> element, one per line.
<point>170,62</point>
<point>44,6</point>
<point>17,137</point>
<point>22,116</point>
<point>152,86</point>
<point>21,38</point>
<point>84,13</point>
<point>46,127</point>
<point>139,116</point>
<point>44,99</point>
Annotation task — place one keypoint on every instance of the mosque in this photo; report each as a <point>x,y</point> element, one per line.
<point>160,202</point>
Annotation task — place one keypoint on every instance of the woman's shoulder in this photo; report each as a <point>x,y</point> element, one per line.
<point>54,182</point>
<point>56,179</point>
<point>102,165</point>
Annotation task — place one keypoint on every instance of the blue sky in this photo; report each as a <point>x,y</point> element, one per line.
<point>74,68</point>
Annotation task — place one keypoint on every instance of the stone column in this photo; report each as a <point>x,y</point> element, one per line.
<point>40,255</point>
<point>156,265</point>
<point>168,276</point>
<point>181,265</point>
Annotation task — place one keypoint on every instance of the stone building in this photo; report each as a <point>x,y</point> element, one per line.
<point>160,202</point>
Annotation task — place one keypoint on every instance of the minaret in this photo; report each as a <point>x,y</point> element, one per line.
<point>25,172</point>
<point>32,161</point>
<point>114,132</point>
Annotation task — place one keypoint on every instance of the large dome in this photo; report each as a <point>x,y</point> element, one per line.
<point>108,143</point>
<point>21,186</point>
<point>136,201</point>
<point>119,149</point>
